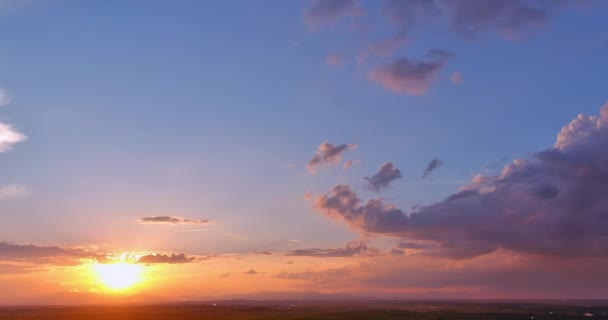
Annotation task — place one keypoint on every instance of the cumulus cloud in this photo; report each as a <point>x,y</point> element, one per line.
<point>432,166</point>
<point>9,137</point>
<point>172,220</point>
<point>5,98</point>
<point>13,191</point>
<point>161,258</point>
<point>329,11</point>
<point>553,204</point>
<point>328,154</point>
<point>353,248</point>
<point>381,179</point>
<point>410,76</point>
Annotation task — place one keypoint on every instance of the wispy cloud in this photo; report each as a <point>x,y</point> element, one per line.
<point>353,248</point>
<point>385,175</point>
<point>5,97</point>
<point>432,166</point>
<point>172,220</point>
<point>410,76</point>
<point>9,137</point>
<point>162,258</point>
<point>13,191</point>
<point>328,154</point>
<point>321,12</point>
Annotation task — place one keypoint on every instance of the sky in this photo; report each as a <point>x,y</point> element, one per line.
<point>307,149</point>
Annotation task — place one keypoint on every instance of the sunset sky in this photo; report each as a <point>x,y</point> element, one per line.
<point>272,149</point>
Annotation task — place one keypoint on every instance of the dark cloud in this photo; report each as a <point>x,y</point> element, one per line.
<point>432,166</point>
<point>252,272</point>
<point>264,252</point>
<point>411,76</point>
<point>552,204</point>
<point>171,220</point>
<point>385,175</point>
<point>159,258</point>
<point>15,251</point>
<point>353,248</point>
<point>51,255</point>
<point>223,275</point>
<point>329,11</point>
<point>328,154</point>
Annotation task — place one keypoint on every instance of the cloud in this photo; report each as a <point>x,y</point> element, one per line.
<point>9,137</point>
<point>50,255</point>
<point>432,166</point>
<point>329,11</point>
<point>554,204</point>
<point>172,220</point>
<point>410,76</point>
<point>508,18</point>
<point>385,175</point>
<point>223,275</point>
<point>335,60</point>
<point>5,97</point>
<point>13,191</point>
<point>264,252</point>
<point>318,275</point>
<point>15,251</point>
<point>457,78</point>
<point>407,15</point>
<point>252,272</point>
<point>386,48</point>
<point>160,258</point>
<point>353,248</point>
<point>327,154</point>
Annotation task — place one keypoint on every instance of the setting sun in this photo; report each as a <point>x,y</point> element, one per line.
<point>119,276</point>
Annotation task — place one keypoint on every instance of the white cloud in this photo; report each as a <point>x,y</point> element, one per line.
<point>9,136</point>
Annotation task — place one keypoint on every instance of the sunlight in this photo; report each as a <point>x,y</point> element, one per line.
<point>119,276</point>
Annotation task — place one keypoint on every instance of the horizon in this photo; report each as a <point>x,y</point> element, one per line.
<point>416,150</point>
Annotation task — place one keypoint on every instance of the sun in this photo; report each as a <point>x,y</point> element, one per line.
<point>120,275</point>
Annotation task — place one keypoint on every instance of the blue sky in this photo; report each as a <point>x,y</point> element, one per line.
<point>212,109</point>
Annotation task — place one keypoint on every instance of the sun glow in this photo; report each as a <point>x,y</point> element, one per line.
<point>119,276</point>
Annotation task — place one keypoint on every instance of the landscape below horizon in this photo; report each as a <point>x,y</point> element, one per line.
<point>310,159</point>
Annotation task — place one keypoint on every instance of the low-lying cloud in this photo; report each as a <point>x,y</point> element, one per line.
<point>172,220</point>
<point>353,248</point>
